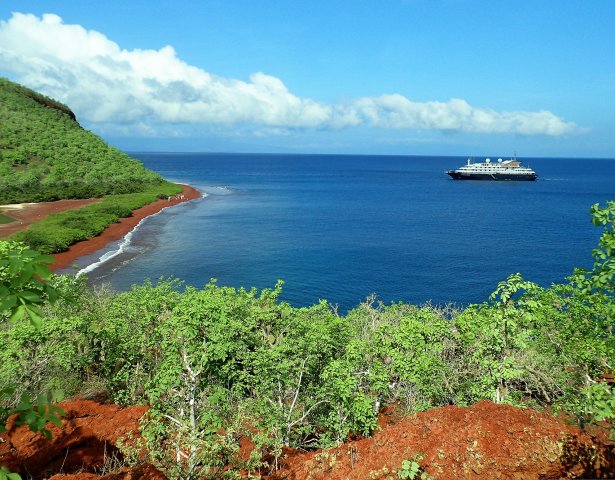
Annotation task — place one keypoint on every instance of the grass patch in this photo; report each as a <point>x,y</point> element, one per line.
<point>5,219</point>
<point>59,231</point>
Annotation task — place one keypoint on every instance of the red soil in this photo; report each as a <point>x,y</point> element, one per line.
<point>27,213</point>
<point>32,212</point>
<point>485,441</point>
<point>117,230</point>
<point>88,435</point>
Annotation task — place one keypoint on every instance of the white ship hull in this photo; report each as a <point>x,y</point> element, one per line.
<point>507,170</point>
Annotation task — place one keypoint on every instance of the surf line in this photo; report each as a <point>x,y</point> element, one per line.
<point>125,243</point>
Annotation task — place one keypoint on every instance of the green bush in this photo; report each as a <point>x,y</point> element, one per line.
<point>59,231</point>
<point>212,361</point>
<point>45,155</point>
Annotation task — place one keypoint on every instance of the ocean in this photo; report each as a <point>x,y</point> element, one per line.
<point>344,227</point>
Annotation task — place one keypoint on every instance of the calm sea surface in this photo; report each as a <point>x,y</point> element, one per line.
<point>340,227</point>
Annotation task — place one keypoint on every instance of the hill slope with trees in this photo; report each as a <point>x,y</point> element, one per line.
<point>46,155</point>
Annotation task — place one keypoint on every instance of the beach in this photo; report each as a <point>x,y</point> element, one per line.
<point>28,213</point>
<point>118,230</point>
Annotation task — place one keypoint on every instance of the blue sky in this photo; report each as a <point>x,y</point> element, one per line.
<point>450,77</point>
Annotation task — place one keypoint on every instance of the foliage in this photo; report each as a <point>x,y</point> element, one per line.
<point>411,469</point>
<point>6,474</point>
<point>23,289</point>
<point>45,155</point>
<point>35,414</point>
<point>59,231</point>
<point>600,404</point>
<point>23,282</point>
<point>598,401</point>
<point>216,364</point>
<point>602,277</point>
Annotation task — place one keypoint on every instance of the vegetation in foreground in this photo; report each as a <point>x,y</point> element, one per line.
<point>216,363</point>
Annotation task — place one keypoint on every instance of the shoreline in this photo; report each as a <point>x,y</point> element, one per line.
<point>116,231</point>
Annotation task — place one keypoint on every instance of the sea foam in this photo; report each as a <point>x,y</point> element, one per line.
<point>123,245</point>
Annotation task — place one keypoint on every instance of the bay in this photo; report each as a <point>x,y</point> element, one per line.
<point>342,227</point>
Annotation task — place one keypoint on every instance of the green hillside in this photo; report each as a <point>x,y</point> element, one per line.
<point>46,155</point>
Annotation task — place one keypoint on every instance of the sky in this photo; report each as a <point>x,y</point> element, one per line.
<point>403,77</point>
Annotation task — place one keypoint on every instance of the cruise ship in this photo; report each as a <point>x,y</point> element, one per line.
<point>488,170</point>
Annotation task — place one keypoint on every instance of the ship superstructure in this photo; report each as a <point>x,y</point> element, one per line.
<point>488,170</point>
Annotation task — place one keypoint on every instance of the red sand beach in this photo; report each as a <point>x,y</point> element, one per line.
<point>27,213</point>
<point>116,231</point>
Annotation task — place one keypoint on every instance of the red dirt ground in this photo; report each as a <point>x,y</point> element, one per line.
<point>32,212</point>
<point>485,441</point>
<point>88,435</point>
<point>116,231</point>
<point>27,213</point>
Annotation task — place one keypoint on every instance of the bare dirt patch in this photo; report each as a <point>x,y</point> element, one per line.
<point>87,437</point>
<point>27,213</point>
<point>485,441</point>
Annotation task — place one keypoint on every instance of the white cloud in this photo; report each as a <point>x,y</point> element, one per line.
<point>105,84</point>
<point>397,112</point>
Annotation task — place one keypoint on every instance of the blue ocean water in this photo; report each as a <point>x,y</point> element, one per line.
<point>341,227</point>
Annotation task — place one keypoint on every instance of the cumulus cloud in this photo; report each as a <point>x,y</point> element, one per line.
<point>106,84</point>
<point>396,111</point>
